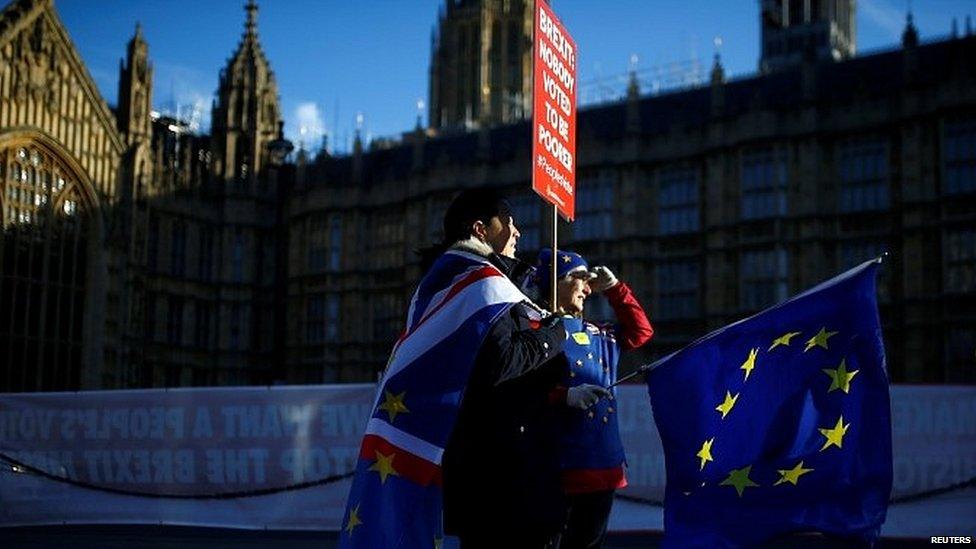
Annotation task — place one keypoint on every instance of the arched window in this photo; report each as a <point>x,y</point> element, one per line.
<point>43,259</point>
<point>37,186</point>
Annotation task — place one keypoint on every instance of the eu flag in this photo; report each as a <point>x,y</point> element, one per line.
<point>780,422</point>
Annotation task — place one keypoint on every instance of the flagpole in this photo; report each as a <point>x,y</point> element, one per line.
<point>647,367</point>
<point>643,369</point>
<point>555,228</point>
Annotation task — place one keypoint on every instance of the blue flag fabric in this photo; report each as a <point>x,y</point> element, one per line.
<point>395,500</point>
<point>780,422</point>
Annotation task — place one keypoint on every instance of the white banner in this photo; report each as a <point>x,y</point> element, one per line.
<point>232,457</point>
<point>276,458</point>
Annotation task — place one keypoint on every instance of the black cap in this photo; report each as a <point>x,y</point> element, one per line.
<point>472,205</point>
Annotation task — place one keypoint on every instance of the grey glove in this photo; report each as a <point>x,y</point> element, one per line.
<point>604,279</point>
<point>585,395</point>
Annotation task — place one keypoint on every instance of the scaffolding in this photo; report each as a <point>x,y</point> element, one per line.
<point>676,75</point>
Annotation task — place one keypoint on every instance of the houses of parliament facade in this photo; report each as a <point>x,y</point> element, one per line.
<point>136,253</point>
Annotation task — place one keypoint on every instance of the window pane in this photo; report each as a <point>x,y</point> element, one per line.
<point>960,258</point>
<point>315,319</point>
<point>678,202</point>
<point>678,289</point>
<point>335,242</point>
<point>960,157</point>
<point>763,183</point>
<point>764,276</point>
<point>863,173</point>
<point>317,249</point>
<point>595,194</point>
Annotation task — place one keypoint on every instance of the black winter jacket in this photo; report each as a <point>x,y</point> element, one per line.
<point>501,467</point>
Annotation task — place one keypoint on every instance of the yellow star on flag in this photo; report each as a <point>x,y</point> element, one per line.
<point>783,340</point>
<point>726,406</point>
<point>353,520</point>
<point>438,543</point>
<point>791,475</point>
<point>394,405</point>
<point>834,436</point>
<point>706,452</point>
<point>739,478</point>
<point>819,340</point>
<point>750,363</point>
<point>566,259</point>
<point>384,466</point>
<point>840,378</point>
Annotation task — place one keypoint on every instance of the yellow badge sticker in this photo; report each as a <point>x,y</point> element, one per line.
<point>581,338</point>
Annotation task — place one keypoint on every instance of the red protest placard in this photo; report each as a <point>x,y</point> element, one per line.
<point>554,112</point>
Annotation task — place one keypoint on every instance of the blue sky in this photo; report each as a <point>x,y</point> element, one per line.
<point>336,59</point>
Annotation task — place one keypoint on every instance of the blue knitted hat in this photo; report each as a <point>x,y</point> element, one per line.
<point>566,263</point>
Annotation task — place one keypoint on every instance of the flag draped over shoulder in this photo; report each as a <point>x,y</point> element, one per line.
<point>395,500</point>
<point>780,422</point>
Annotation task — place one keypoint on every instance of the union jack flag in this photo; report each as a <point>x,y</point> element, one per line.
<point>396,500</point>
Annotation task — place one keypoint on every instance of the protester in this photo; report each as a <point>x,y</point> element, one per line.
<point>500,467</point>
<point>591,454</point>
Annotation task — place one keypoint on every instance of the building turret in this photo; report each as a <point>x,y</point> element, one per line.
<point>718,85</point>
<point>246,115</point>
<point>791,28</point>
<point>135,90</point>
<point>909,37</point>
<point>481,63</point>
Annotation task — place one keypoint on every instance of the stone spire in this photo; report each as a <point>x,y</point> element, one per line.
<point>909,42</point>
<point>909,38</point>
<point>718,71</point>
<point>247,111</point>
<point>251,27</point>
<point>135,89</point>
<point>633,86</point>
<point>717,85</point>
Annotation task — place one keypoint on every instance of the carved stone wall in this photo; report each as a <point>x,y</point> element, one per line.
<point>45,87</point>
<point>60,138</point>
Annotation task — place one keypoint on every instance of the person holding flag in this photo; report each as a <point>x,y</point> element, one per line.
<point>460,426</point>
<point>591,453</point>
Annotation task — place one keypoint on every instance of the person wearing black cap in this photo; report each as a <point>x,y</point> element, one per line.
<point>500,467</point>
<point>479,221</point>
<point>591,453</point>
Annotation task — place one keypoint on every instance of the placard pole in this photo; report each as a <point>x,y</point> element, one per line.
<point>555,230</point>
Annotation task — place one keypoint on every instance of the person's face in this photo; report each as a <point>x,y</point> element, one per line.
<point>502,236</point>
<point>571,292</point>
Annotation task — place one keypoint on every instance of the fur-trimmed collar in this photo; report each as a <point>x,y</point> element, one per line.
<point>474,246</point>
<point>515,269</point>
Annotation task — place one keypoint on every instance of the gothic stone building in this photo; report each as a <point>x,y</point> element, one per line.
<point>134,254</point>
<point>713,202</point>
<point>62,156</point>
<point>137,254</point>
